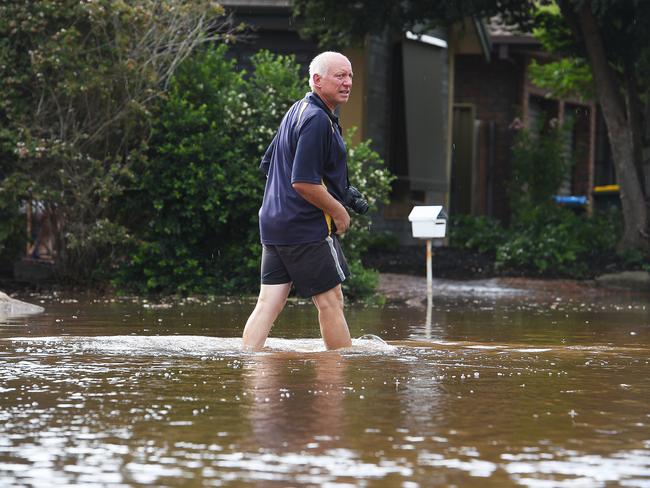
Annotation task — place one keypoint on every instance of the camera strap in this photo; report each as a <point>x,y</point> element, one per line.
<point>333,120</point>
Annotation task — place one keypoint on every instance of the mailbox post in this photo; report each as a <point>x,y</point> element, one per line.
<point>428,222</point>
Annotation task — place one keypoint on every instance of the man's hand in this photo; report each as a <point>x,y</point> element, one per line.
<point>342,221</point>
<point>318,196</point>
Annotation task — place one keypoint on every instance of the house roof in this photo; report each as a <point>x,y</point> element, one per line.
<point>483,37</point>
<point>471,36</point>
<point>257,3</point>
<point>503,33</point>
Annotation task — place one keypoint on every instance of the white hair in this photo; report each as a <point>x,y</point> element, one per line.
<point>320,65</point>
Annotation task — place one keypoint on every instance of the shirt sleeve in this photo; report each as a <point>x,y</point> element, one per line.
<point>312,150</point>
<point>266,160</point>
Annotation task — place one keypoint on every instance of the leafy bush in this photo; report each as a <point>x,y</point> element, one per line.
<point>368,173</point>
<point>194,211</point>
<point>383,241</point>
<point>199,187</point>
<point>12,230</point>
<point>554,240</point>
<point>77,80</point>
<point>541,163</point>
<point>545,239</point>
<point>478,233</point>
<point>362,282</point>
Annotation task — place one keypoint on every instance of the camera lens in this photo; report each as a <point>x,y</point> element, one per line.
<point>354,199</point>
<point>361,206</point>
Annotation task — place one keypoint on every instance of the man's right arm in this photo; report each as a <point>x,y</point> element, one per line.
<point>308,167</point>
<point>318,196</point>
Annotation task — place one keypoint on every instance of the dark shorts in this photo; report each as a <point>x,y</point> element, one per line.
<point>313,268</point>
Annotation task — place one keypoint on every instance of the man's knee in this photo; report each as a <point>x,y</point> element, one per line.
<point>329,300</point>
<point>271,304</point>
<point>273,298</point>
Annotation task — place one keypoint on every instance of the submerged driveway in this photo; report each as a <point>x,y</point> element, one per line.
<point>413,289</point>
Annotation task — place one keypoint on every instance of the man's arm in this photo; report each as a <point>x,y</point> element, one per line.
<point>318,196</point>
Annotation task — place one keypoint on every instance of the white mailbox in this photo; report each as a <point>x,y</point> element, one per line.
<point>428,222</point>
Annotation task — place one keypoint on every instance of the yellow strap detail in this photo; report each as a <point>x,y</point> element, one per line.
<point>328,221</point>
<point>328,217</point>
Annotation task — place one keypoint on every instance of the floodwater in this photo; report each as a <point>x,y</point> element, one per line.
<point>473,391</point>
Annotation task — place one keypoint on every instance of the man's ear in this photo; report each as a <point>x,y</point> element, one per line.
<point>317,79</point>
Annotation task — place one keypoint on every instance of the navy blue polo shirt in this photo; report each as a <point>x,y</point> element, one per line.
<point>309,148</point>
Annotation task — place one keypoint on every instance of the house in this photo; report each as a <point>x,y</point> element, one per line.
<point>489,94</point>
<point>438,108</point>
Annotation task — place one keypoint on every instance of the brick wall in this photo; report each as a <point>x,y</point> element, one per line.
<point>495,89</point>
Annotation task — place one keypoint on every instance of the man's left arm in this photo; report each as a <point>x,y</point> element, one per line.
<point>266,159</point>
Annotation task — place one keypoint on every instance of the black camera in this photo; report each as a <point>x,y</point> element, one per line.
<point>354,199</point>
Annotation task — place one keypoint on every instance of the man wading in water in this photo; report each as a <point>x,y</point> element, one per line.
<point>303,212</point>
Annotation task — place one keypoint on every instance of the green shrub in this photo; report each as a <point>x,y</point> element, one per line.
<point>12,230</point>
<point>552,240</point>
<point>368,173</point>
<point>199,187</point>
<point>540,164</point>
<point>362,283</point>
<point>383,241</point>
<point>194,209</point>
<point>633,258</point>
<point>545,239</point>
<point>12,222</point>
<point>77,83</point>
<point>477,233</point>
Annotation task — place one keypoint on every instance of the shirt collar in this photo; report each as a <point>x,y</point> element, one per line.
<point>316,100</point>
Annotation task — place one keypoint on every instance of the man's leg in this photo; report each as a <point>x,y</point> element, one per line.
<point>270,303</point>
<point>333,326</point>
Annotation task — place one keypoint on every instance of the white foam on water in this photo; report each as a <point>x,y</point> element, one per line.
<point>207,346</point>
<point>475,467</point>
<point>333,463</point>
<point>191,345</point>
<point>139,345</point>
<point>581,470</point>
<point>539,349</point>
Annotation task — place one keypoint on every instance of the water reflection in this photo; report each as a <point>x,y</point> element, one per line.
<point>295,402</point>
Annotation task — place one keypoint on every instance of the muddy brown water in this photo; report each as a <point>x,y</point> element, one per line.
<point>474,391</point>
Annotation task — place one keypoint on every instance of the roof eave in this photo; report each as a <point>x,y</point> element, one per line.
<point>483,37</point>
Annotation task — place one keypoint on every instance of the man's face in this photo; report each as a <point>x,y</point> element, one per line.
<point>334,87</point>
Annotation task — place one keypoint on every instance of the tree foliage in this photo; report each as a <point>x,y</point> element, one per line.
<point>614,37</point>
<point>343,23</point>
<point>78,80</point>
<point>604,53</point>
<point>564,78</point>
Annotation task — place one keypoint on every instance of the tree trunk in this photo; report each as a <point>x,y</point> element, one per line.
<point>634,105</point>
<point>619,129</point>
<point>645,151</point>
